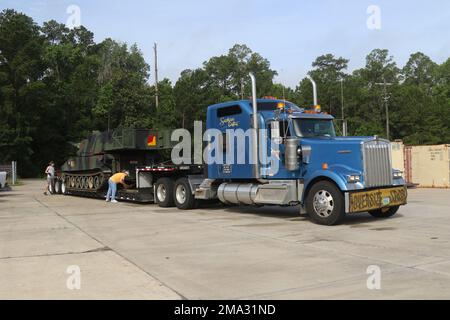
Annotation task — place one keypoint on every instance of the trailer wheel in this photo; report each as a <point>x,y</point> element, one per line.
<point>183,197</point>
<point>325,203</point>
<point>164,192</point>
<point>64,181</point>
<point>57,186</point>
<point>384,212</point>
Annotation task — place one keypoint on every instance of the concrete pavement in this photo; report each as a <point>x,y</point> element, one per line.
<point>145,252</point>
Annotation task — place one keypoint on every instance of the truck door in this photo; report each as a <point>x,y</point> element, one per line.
<point>236,120</point>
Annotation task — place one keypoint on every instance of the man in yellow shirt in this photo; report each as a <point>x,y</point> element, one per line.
<point>112,185</point>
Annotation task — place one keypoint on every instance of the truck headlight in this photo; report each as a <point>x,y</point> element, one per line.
<point>397,174</point>
<point>353,178</point>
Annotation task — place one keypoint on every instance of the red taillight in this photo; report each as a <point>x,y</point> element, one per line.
<point>151,140</point>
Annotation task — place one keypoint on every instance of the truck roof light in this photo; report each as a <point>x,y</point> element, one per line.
<point>324,166</point>
<point>281,105</point>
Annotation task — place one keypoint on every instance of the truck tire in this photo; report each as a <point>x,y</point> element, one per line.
<point>384,212</point>
<point>182,195</point>
<point>325,203</point>
<point>164,192</point>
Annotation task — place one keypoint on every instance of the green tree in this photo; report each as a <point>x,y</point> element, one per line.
<point>366,103</point>
<point>193,92</point>
<point>70,78</point>
<point>418,116</point>
<point>327,72</point>
<point>222,78</point>
<point>22,93</point>
<point>228,74</point>
<point>281,91</point>
<point>419,70</point>
<point>442,92</point>
<point>58,84</point>
<point>125,98</point>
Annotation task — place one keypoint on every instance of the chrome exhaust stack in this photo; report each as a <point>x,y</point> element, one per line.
<point>314,88</point>
<point>255,146</point>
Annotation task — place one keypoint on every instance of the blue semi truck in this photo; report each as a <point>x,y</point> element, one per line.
<point>282,155</point>
<point>325,175</point>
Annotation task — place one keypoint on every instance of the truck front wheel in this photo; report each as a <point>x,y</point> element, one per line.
<point>164,192</point>
<point>325,203</point>
<point>384,212</point>
<point>184,199</point>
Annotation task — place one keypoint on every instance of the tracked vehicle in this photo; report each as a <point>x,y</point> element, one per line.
<point>104,153</point>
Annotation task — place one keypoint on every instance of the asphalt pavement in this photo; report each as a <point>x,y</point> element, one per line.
<point>65,247</point>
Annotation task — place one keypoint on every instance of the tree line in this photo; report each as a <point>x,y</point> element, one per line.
<point>57,85</point>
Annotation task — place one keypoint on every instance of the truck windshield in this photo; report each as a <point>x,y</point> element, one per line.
<point>314,128</point>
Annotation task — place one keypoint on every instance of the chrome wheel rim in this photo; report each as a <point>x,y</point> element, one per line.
<point>180,194</point>
<point>323,203</point>
<point>63,187</point>
<point>161,193</point>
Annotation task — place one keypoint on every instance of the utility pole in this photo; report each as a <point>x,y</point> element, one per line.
<point>156,76</point>
<point>386,104</point>
<point>344,122</point>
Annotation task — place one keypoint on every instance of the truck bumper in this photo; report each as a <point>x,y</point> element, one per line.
<point>372,199</point>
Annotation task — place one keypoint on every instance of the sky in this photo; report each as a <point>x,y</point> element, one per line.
<point>289,33</point>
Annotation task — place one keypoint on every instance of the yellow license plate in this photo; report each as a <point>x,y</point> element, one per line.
<point>375,199</point>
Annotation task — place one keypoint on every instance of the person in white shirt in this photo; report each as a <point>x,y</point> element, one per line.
<point>50,172</point>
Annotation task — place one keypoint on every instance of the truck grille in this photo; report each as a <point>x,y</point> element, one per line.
<point>377,163</point>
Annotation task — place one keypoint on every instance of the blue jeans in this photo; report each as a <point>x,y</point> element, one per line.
<point>112,189</point>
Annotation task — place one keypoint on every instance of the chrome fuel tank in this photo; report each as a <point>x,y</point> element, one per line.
<point>237,193</point>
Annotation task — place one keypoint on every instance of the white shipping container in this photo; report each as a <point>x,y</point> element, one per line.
<point>430,166</point>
